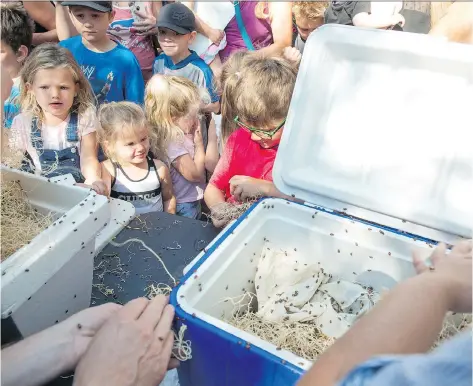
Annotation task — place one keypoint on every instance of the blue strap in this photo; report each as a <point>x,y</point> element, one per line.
<point>242,28</point>
<point>72,132</point>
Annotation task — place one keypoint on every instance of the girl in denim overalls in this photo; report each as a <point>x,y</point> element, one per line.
<point>57,126</point>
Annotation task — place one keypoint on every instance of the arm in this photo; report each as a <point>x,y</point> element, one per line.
<point>43,13</point>
<point>169,200</point>
<point>365,19</point>
<point>89,164</point>
<point>407,321</point>
<point>213,196</point>
<point>65,27</point>
<point>281,27</point>
<point>192,170</point>
<point>211,155</point>
<point>203,28</point>
<point>44,356</point>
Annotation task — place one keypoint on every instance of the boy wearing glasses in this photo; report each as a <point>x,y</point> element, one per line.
<point>260,93</point>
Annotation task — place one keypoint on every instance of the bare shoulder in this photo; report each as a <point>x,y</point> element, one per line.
<point>161,167</point>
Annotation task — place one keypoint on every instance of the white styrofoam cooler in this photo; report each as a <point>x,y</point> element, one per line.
<point>378,144</point>
<point>51,278</point>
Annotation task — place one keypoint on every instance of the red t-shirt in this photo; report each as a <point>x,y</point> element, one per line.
<point>243,157</point>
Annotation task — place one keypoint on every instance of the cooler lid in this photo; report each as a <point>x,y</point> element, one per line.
<point>383,121</point>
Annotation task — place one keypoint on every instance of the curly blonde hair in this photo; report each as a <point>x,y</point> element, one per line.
<point>310,10</point>
<point>118,120</point>
<point>46,57</point>
<point>168,98</point>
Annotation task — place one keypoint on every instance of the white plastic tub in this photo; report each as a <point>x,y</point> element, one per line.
<point>51,278</point>
<point>378,145</point>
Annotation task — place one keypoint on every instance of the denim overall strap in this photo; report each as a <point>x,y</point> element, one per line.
<point>59,162</point>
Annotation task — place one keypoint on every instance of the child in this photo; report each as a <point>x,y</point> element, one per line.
<point>172,107</point>
<point>365,14</point>
<point>112,70</point>
<point>129,173</point>
<point>16,39</point>
<point>176,31</point>
<point>57,125</point>
<point>308,16</point>
<point>259,96</point>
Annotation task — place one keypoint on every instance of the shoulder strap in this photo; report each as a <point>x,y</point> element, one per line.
<point>152,165</point>
<point>36,139</point>
<point>242,28</point>
<point>72,130</point>
<point>114,176</point>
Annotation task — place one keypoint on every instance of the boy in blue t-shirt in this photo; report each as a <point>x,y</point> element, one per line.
<point>176,31</point>
<point>112,70</point>
<point>16,39</point>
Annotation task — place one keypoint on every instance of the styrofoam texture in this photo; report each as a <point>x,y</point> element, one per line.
<point>121,213</point>
<point>318,236</point>
<point>373,124</point>
<point>53,274</point>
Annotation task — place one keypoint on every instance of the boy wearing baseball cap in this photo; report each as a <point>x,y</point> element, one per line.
<point>112,70</point>
<point>176,31</point>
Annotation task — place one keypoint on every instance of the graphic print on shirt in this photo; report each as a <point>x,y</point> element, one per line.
<point>101,87</point>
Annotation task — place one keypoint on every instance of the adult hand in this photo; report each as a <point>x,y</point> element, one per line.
<point>132,349</point>
<point>146,24</point>
<point>454,271</point>
<point>216,36</point>
<point>243,188</point>
<point>292,54</point>
<point>84,325</point>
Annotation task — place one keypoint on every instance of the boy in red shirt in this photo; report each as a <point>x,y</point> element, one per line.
<point>256,99</point>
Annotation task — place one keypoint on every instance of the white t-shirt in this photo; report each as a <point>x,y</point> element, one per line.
<point>54,137</point>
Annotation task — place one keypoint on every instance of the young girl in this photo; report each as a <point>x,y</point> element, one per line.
<point>172,107</point>
<point>57,127</point>
<point>129,172</point>
<point>258,96</point>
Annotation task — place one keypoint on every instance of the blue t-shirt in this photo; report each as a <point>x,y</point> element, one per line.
<point>115,75</point>
<point>193,68</point>
<point>11,108</point>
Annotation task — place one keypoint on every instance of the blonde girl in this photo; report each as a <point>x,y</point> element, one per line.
<point>258,97</point>
<point>172,107</point>
<point>130,173</point>
<point>57,127</point>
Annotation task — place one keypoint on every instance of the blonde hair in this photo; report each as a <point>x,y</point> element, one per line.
<point>262,10</point>
<point>119,119</point>
<point>310,10</point>
<point>168,98</point>
<point>46,57</point>
<point>260,93</point>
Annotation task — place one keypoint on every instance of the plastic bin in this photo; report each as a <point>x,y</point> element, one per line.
<point>50,279</point>
<point>379,150</point>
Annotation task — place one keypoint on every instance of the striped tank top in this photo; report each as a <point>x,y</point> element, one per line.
<point>144,194</point>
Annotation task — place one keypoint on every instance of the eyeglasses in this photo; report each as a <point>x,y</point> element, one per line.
<point>260,133</point>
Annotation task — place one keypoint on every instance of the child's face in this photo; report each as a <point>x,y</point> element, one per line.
<point>269,141</point>
<point>174,44</point>
<point>91,24</point>
<point>133,147</point>
<point>305,26</point>
<point>54,90</point>
<point>10,60</point>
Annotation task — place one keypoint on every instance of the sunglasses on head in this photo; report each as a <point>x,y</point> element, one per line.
<point>260,133</point>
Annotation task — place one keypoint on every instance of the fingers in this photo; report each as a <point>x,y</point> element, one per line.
<point>165,322</point>
<point>463,249</point>
<point>419,264</point>
<point>438,253</point>
<point>134,308</point>
<point>153,312</point>
<point>237,193</point>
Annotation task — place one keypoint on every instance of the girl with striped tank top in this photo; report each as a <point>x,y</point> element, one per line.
<point>129,173</point>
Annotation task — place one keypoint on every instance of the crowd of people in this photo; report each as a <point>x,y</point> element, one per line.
<point>111,93</point>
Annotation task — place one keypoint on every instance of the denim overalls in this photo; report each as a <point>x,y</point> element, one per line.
<point>60,161</point>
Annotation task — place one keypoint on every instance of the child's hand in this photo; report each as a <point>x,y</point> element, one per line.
<point>243,188</point>
<point>100,187</point>
<point>292,54</point>
<point>198,140</point>
<point>216,36</point>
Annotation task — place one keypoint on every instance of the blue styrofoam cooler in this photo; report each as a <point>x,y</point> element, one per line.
<point>378,137</point>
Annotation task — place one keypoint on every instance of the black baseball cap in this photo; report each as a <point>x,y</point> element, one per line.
<point>101,6</point>
<point>176,17</point>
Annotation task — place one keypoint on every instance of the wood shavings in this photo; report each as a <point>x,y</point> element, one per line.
<point>20,221</point>
<point>453,325</point>
<point>149,249</point>
<point>181,349</point>
<point>224,213</point>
